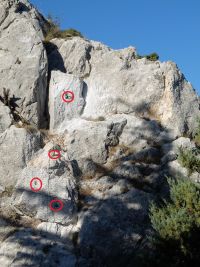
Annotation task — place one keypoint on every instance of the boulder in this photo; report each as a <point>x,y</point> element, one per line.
<point>174,169</point>
<point>56,183</point>
<point>60,232</point>
<point>174,146</point>
<point>61,111</point>
<point>23,66</point>
<point>90,137</point>
<point>17,146</point>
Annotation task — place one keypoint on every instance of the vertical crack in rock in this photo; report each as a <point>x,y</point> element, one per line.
<point>88,58</point>
<point>115,129</point>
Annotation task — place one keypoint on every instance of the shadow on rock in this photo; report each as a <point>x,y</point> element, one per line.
<point>54,57</point>
<point>32,247</point>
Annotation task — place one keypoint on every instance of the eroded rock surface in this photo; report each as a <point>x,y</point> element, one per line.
<point>118,83</point>
<point>17,146</point>
<point>23,60</point>
<point>56,182</point>
<point>62,111</point>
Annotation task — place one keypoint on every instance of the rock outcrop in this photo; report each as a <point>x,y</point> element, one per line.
<point>78,192</point>
<point>23,60</point>
<point>117,83</point>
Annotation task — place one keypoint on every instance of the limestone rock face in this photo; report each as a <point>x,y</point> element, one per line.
<point>17,146</point>
<point>23,60</point>
<point>117,217</point>
<point>56,182</point>
<point>60,110</point>
<point>5,117</point>
<point>118,83</point>
<point>34,249</point>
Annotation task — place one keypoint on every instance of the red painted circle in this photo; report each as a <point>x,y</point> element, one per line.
<point>54,157</point>
<point>31,184</point>
<point>70,100</point>
<point>56,201</point>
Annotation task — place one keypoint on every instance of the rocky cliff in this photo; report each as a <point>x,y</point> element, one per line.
<point>88,135</point>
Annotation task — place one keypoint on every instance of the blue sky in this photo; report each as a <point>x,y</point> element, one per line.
<point>169,27</point>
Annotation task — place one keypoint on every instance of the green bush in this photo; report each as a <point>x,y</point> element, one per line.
<point>196,137</point>
<point>189,160</point>
<point>152,56</point>
<point>177,226</point>
<point>54,31</point>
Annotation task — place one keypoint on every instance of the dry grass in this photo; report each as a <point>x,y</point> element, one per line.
<point>15,219</point>
<point>85,191</point>
<point>124,150</point>
<point>98,119</point>
<point>30,128</point>
<point>7,192</point>
<point>54,31</point>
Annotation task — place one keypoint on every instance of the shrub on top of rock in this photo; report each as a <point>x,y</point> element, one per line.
<point>54,31</point>
<point>152,56</point>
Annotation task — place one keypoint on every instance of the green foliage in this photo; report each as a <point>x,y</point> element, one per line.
<point>177,226</point>
<point>189,160</point>
<point>181,213</point>
<point>56,147</point>
<point>196,137</point>
<point>152,56</point>
<point>54,31</point>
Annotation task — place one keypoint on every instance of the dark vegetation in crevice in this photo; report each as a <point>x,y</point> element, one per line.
<point>10,102</point>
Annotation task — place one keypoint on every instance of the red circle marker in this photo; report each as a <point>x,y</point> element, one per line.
<point>56,154</point>
<point>56,201</point>
<point>68,96</point>
<point>31,184</point>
